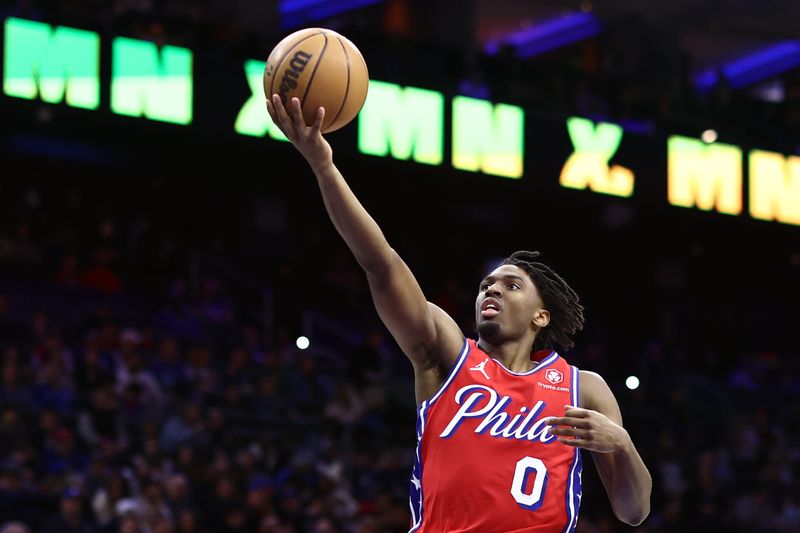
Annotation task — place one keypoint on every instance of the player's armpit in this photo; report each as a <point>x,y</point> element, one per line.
<point>450,338</point>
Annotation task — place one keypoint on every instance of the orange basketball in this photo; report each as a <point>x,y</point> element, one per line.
<point>323,69</point>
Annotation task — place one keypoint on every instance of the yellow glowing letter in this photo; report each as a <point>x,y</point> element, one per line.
<point>775,187</point>
<point>704,176</point>
<point>588,164</point>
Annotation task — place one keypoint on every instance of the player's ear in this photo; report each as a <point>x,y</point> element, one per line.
<point>541,318</point>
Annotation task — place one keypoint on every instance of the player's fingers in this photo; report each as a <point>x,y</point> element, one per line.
<point>272,114</point>
<point>277,105</point>
<point>317,126</point>
<point>284,122</point>
<point>296,112</point>
<point>576,411</point>
<point>569,432</point>
<point>578,443</point>
<point>568,421</point>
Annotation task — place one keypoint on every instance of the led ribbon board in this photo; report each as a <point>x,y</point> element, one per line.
<point>61,65</point>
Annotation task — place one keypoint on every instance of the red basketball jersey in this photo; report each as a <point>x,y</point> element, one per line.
<point>484,460</point>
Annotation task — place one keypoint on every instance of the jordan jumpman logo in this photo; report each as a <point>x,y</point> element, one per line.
<point>480,368</point>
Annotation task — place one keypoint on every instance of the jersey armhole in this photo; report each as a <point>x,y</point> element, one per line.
<point>459,363</point>
<point>576,382</point>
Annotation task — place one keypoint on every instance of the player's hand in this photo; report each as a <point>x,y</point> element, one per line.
<point>589,429</point>
<point>307,139</point>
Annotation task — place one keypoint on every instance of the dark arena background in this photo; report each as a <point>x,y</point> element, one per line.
<point>188,345</point>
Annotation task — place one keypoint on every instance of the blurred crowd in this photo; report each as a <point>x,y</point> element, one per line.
<point>131,431</point>
<point>154,401</point>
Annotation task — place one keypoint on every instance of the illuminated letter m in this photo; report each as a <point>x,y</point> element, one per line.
<point>52,64</point>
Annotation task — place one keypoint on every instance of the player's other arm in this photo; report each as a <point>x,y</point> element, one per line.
<point>597,426</point>
<point>427,335</point>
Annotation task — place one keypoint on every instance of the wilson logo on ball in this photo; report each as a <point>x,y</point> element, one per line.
<point>296,67</point>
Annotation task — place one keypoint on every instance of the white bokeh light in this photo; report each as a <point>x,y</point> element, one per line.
<point>709,136</point>
<point>632,382</point>
<point>303,342</point>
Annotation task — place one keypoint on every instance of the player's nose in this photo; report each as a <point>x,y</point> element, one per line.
<point>493,290</point>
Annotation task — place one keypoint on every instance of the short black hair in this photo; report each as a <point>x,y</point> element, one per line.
<point>566,311</point>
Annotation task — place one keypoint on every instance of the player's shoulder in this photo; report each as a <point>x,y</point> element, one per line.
<point>587,376</point>
<point>593,388</point>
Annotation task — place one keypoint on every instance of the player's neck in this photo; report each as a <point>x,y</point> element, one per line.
<point>514,355</point>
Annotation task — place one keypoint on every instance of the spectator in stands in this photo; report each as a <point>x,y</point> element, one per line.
<point>168,366</point>
<point>178,493</point>
<point>54,389</point>
<point>13,391</point>
<point>15,445</point>
<point>151,509</point>
<point>182,427</point>
<point>131,369</point>
<point>93,369</point>
<point>213,306</point>
<point>346,405</point>
<point>70,518</point>
<point>175,318</point>
<point>100,275</point>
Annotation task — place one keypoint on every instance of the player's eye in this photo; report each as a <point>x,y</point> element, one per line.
<point>484,286</point>
<point>512,286</point>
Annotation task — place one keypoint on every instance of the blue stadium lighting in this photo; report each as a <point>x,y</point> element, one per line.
<point>296,13</point>
<point>50,146</point>
<point>548,35</point>
<point>753,68</point>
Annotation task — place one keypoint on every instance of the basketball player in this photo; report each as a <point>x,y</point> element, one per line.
<point>499,428</point>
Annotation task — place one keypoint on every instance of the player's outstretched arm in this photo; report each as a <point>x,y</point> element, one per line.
<point>597,426</point>
<point>427,335</point>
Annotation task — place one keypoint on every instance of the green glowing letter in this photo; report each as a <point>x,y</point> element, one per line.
<point>487,138</point>
<point>704,176</point>
<point>775,187</point>
<point>142,84</point>
<point>62,61</point>
<point>408,121</point>
<point>253,118</point>
<point>588,165</point>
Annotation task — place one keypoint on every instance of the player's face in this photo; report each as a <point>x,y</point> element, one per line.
<point>507,305</point>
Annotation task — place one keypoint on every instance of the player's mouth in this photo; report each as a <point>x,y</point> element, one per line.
<point>490,307</point>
